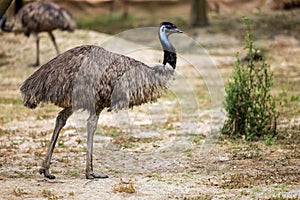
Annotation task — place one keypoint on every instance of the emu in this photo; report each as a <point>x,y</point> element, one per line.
<point>91,78</point>
<point>39,17</point>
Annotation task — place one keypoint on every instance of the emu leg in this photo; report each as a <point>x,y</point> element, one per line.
<point>37,41</point>
<point>60,123</point>
<point>91,128</point>
<point>54,42</point>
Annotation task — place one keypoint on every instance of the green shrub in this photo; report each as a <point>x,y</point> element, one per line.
<point>249,105</point>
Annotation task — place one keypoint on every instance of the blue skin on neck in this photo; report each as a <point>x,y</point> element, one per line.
<point>164,39</point>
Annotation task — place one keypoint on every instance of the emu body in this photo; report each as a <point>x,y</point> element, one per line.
<point>92,78</point>
<point>38,17</point>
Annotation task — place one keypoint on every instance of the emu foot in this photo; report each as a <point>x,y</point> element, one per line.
<point>94,175</point>
<point>34,64</point>
<point>46,173</point>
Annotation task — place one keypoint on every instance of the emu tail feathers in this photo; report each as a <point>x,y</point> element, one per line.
<point>28,99</point>
<point>30,105</point>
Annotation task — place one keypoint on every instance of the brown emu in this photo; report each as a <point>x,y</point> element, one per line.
<point>39,17</point>
<point>92,78</point>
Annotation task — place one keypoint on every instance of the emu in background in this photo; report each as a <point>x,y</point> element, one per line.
<point>39,17</point>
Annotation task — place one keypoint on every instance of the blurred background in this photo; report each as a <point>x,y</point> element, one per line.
<point>113,16</point>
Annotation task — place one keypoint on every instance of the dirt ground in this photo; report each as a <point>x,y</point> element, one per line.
<point>171,149</point>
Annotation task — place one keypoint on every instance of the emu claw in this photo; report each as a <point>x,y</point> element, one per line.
<point>34,65</point>
<point>94,175</point>
<point>46,173</point>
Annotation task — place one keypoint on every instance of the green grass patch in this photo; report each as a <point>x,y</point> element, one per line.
<point>199,139</point>
<point>107,24</point>
<point>11,101</point>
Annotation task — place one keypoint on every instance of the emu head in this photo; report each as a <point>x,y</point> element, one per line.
<point>168,28</point>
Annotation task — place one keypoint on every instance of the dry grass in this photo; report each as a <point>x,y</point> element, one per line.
<point>126,186</point>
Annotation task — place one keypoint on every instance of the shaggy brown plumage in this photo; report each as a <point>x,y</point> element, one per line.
<point>39,17</point>
<point>92,78</point>
<point>88,77</point>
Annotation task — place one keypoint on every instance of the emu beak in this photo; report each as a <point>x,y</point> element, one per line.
<point>176,30</point>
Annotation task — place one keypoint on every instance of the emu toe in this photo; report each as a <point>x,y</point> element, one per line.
<point>94,175</point>
<point>46,173</point>
<point>34,65</point>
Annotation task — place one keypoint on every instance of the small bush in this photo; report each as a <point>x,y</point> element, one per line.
<point>249,105</point>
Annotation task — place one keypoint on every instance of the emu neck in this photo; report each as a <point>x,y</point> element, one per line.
<point>169,51</point>
<point>165,42</point>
